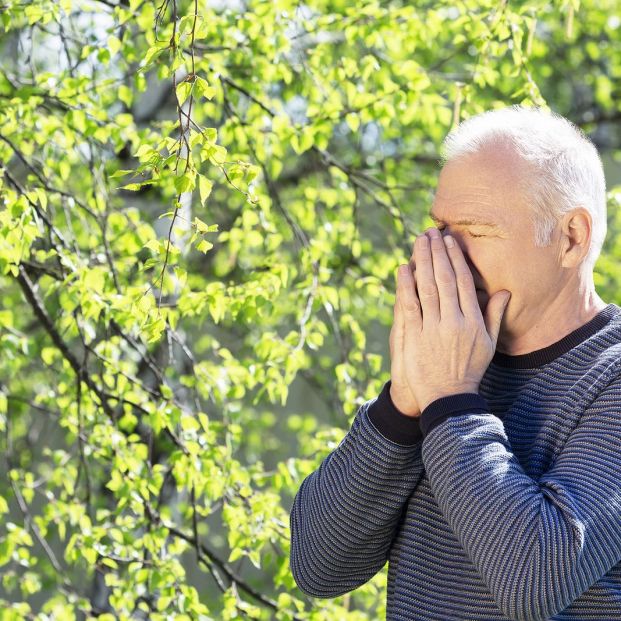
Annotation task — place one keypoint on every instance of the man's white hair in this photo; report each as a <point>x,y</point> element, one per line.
<point>565,170</point>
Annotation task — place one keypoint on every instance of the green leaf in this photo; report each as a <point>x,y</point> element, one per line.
<point>353,121</point>
<point>114,45</point>
<point>201,227</point>
<point>183,92</point>
<point>185,183</point>
<point>202,88</point>
<point>90,555</point>
<point>203,245</point>
<point>152,54</point>
<point>120,173</point>
<point>125,95</point>
<point>153,244</point>
<point>204,187</point>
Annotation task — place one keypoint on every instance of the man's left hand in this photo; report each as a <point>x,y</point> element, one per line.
<point>448,342</point>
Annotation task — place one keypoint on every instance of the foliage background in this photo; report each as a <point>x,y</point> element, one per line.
<point>203,207</point>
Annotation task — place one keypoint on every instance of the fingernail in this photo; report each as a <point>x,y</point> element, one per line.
<point>423,241</point>
<point>449,241</point>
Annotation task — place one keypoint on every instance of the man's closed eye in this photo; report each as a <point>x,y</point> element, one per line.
<point>469,233</point>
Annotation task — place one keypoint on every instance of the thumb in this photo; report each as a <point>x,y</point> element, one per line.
<point>494,313</point>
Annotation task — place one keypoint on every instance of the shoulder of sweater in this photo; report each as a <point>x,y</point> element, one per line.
<point>604,347</point>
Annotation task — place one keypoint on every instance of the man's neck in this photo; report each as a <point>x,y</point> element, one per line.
<point>551,324</point>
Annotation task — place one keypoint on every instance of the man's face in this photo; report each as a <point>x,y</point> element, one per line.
<point>483,187</point>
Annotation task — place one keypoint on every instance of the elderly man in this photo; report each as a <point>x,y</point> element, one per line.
<point>488,470</point>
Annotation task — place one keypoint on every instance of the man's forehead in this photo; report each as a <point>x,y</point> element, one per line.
<point>463,211</point>
<point>477,190</point>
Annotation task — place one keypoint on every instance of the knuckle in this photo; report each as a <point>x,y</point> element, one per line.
<point>423,258</point>
<point>412,307</point>
<point>445,278</point>
<point>427,291</point>
<point>465,278</point>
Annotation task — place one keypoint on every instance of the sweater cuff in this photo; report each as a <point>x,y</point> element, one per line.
<point>391,423</point>
<point>452,405</point>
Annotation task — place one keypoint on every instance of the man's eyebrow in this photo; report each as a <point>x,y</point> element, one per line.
<point>466,221</point>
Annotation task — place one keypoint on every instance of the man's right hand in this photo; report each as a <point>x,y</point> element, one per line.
<point>400,392</point>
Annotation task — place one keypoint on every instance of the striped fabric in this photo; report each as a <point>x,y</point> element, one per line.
<point>504,504</point>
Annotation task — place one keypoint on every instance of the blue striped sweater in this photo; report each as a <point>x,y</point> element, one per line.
<point>504,504</point>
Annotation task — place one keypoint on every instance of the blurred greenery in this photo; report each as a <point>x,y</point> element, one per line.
<point>204,204</point>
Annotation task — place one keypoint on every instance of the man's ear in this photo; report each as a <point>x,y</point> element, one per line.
<point>576,230</point>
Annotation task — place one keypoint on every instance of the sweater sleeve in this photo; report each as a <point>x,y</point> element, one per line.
<point>346,513</point>
<point>537,544</point>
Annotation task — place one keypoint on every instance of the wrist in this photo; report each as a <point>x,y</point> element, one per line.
<point>449,406</point>
<point>392,424</point>
<point>403,406</point>
<point>458,390</point>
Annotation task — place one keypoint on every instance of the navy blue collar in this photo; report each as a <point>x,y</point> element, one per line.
<point>547,354</point>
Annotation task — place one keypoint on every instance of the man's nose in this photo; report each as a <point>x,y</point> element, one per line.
<point>457,236</point>
<point>463,244</point>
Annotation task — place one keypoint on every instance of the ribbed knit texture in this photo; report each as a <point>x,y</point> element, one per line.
<point>504,504</point>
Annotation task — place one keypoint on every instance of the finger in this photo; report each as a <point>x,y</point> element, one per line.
<point>494,312</point>
<point>397,319</point>
<point>397,332</point>
<point>399,300</point>
<point>412,261</point>
<point>426,284</point>
<point>444,277</point>
<point>410,304</point>
<point>398,314</point>
<point>463,277</point>
<point>412,264</point>
<point>397,329</point>
<point>401,311</point>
